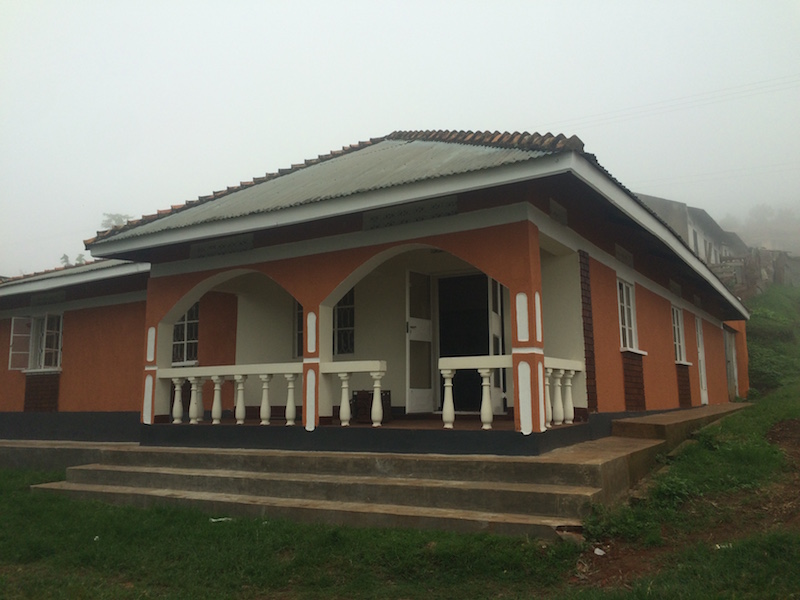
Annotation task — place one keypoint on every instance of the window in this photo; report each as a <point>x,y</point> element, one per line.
<point>344,332</point>
<point>627,315</point>
<point>185,334</point>
<point>298,329</point>
<point>35,343</point>
<point>678,338</point>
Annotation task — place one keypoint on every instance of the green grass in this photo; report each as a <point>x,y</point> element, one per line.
<point>52,547</point>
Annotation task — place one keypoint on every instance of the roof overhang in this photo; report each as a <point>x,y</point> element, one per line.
<point>74,276</point>
<point>624,201</point>
<point>586,171</point>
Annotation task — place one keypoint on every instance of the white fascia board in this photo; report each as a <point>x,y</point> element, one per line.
<point>61,280</point>
<point>442,186</point>
<point>601,183</point>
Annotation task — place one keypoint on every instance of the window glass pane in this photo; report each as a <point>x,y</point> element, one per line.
<point>191,351</point>
<point>177,353</point>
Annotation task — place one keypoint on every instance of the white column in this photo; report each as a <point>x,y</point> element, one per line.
<point>266,410</point>
<point>344,405</point>
<point>193,399</point>
<point>177,406</point>
<point>558,403</point>
<point>448,407</point>
<point>291,408</point>
<point>377,405</point>
<point>201,408</point>
<point>241,411</point>
<point>548,403</point>
<point>486,399</point>
<point>216,403</point>
<point>569,408</point>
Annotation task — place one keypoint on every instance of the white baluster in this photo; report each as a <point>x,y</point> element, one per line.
<point>216,403</point>
<point>558,403</point>
<point>377,405</point>
<point>344,405</point>
<point>291,409</point>
<point>193,399</point>
<point>487,414</point>
<point>569,408</point>
<point>177,407</point>
<point>241,411</point>
<point>448,407</point>
<point>266,410</point>
<point>201,409</point>
<point>548,402</point>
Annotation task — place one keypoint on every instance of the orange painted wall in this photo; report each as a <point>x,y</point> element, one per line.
<point>217,340</point>
<point>608,359</point>
<point>654,319</point>
<point>690,334</point>
<point>101,358</point>
<point>12,383</point>
<point>716,369</point>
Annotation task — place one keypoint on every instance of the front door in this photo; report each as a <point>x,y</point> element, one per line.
<point>419,344</point>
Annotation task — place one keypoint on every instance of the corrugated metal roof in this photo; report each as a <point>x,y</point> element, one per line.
<point>62,272</point>
<point>399,159</point>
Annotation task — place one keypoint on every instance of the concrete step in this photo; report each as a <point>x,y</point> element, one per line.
<point>509,469</point>
<point>360,514</point>
<point>486,496</point>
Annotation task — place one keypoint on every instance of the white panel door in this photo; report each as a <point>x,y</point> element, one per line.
<point>419,344</point>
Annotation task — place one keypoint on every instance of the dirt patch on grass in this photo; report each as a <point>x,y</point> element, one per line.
<point>734,516</point>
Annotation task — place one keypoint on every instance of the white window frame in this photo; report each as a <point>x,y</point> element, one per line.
<point>678,335</point>
<point>626,302</point>
<point>344,325</point>
<point>185,336</point>
<point>35,343</point>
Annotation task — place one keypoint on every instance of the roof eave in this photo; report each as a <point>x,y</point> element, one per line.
<point>625,201</point>
<point>45,284</point>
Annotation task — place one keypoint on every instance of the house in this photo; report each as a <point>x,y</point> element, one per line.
<point>445,274</point>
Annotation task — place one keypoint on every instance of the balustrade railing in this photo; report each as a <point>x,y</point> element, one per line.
<point>344,370</point>
<point>197,376</point>
<point>558,401</point>
<point>559,375</point>
<point>484,365</point>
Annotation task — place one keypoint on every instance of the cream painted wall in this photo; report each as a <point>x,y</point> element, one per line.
<point>264,333</point>
<point>562,314</point>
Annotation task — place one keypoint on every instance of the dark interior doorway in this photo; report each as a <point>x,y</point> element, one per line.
<point>463,331</point>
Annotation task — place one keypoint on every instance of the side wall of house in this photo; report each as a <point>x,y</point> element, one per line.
<point>608,359</point>
<point>716,369</point>
<point>101,358</point>
<point>12,383</point>
<point>654,319</point>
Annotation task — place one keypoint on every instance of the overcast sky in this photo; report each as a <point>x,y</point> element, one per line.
<point>131,106</point>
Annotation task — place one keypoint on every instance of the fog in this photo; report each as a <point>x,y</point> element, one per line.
<point>131,107</point>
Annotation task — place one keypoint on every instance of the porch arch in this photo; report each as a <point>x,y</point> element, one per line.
<point>246,318</point>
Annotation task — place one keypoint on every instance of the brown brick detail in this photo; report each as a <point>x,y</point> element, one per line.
<point>41,392</point>
<point>634,381</point>
<point>588,331</point>
<point>684,387</point>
